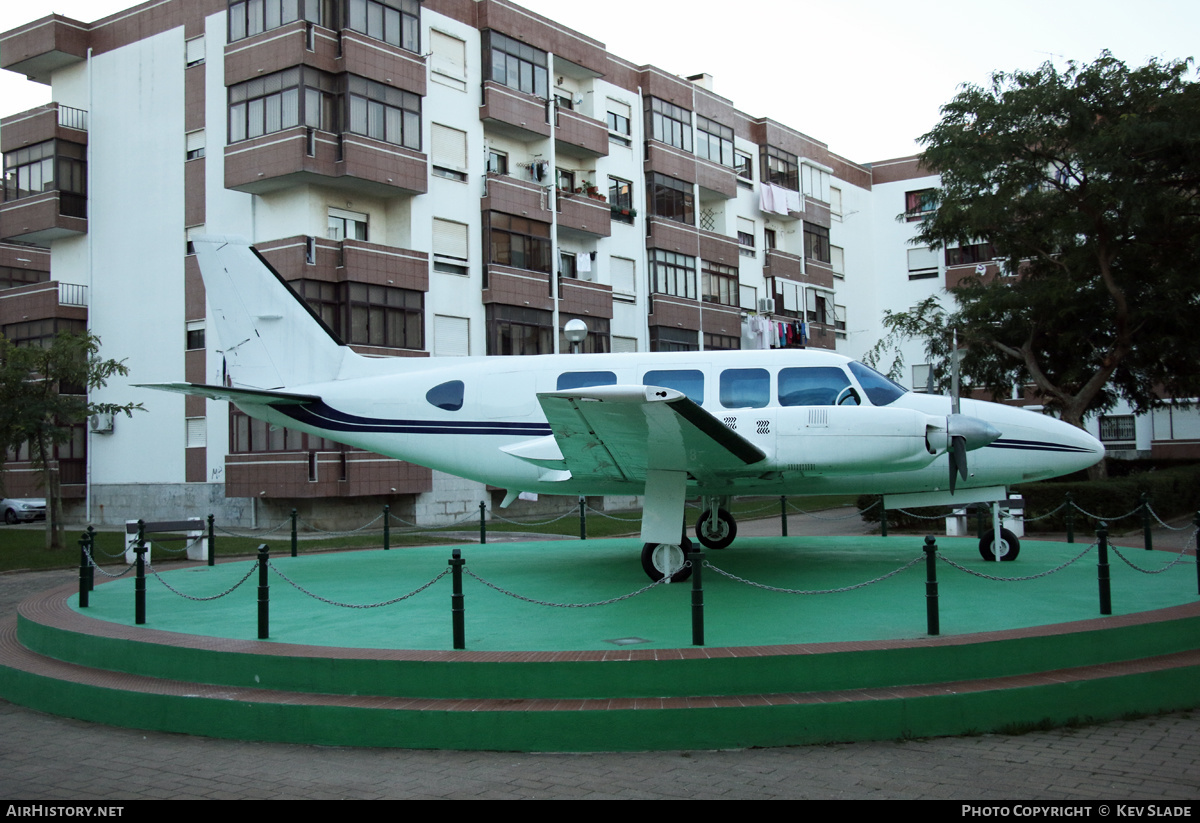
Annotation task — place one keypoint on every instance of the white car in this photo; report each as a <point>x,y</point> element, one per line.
<point>23,509</point>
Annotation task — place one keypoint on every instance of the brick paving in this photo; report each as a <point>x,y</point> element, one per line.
<point>43,757</point>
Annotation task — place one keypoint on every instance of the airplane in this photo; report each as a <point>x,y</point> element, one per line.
<point>668,426</point>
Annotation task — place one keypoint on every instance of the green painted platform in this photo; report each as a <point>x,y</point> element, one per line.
<point>775,669</point>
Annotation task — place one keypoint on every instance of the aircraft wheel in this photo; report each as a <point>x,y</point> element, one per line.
<point>1010,546</point>
<point>722,536</point>
<point>660,558</point>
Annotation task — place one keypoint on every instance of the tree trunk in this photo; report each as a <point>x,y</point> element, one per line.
<point>53,492</point>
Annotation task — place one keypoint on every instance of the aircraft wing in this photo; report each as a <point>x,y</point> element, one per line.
<point>621,432</point>
<point>260,397</point>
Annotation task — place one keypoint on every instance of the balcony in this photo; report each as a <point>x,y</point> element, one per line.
<point>519,197</point>
<point>584,214</point>
<point>782,264</point>
<point>44,217</point>
<point>44,46</point>
<point>579,136</point>
<point>48,122</point>
<point>317,474</point>
<point>585,297</point>
<point>299,156</point>
<point>339,261</point>
<point>513,113</point>
<point>43,301</point>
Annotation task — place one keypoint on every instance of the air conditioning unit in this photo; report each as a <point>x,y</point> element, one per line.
<point>766,305</point>
<point>101,423</point>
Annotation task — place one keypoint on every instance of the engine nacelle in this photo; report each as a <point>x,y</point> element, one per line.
<point>851,440</point>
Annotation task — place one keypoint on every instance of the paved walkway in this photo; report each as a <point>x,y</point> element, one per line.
<point>51,758</point>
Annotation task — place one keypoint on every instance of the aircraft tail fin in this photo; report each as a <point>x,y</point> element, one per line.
<point>269,336</point>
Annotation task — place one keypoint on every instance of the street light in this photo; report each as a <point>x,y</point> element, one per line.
<point>575,330</point>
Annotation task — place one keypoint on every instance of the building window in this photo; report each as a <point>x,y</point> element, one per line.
<point>714,142</point>
<point>193,52</point>
<point>917,204</point>
<point>816,243</point>
<point>672,273</point>
<point>720,284</point>
<point>1118,428</point>
<point>283,100</point>
<point>397,22</point>
<point>922,263</point>
<point>815,182</point>
<point>450,247</point>
<point>564,180</point>
<point>618,122</point>
<point>721,342</point>
<point>518,242</point>
<point>835,203</point>
<point>839,322</point>
<point>743,166</point>
<point>448,60</point>
<point>195,334</point>
<point>11,277</point>
<point>970,255</point>
<point>922,376</point>
<point>837,260</point>
<point>770,239</point>
<point>195,145</point>
<point>515,64</point>
<point>384,316</point>
<point>745,237</point>
<point>54,165</point>
<point>497,162</point>
<point>670,198</point>
<point>324,300</point>
<point>250,17</point>
<point>519,330</point>
<point>347,225</point>
<point>596,342</point>
<point>620,199</point>
<point>567,265</point>
<point>668,123</point>
<point>623,273</point>
<point>448,154</point>
<point>663,338</point>
<point>781,168</point>
<point>383,113</point>
<point>248,435</point>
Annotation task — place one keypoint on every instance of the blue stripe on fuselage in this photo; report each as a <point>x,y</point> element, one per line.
<point>326,417</point>
<point>1036,445</point>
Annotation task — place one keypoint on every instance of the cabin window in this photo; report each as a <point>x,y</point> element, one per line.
<point>816,386</point>
<point>448,396</point>
<point>688,381</point>
<point>880,390</point>
<point>745,388</point>
<point>584,379</point>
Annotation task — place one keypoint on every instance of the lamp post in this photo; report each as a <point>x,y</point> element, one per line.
<point>575,330</point>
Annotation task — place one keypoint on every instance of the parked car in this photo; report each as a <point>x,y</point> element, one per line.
<point>23,509</point>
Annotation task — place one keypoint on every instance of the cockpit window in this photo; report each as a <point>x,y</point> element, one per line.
<point>584,379</point>
<point>880,390</point>
<point>745,388</point>
<point>688,381</point>
<point>815,386</point>
<point>448,396</point>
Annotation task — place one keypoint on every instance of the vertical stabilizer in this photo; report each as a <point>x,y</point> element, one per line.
<point>270,338</point>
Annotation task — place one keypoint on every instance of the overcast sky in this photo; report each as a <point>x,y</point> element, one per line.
<point>866,77</point>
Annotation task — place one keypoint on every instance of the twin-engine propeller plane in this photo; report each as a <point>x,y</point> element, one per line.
<point>669,426</point>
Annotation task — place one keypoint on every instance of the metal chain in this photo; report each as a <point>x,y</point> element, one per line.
<point>815,516</point>
<point>905,567</point>
<point>300,588</point>
<point>613,516</point>
<point>108,554</point>
<point>1166,525</point>
<point>195,542</point>
<point>496,516</point>
<point>310,527</point>
<point>1029,518</point>
<point>1046,573</point>
<point>1107,519</point>
<point>1182,558</point>
<point>259,533</point>
<point>494,587</point>
<point>96,566</point>
<point>202,599</point>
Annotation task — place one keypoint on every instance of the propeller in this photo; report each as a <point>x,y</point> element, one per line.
<point>963,433</point>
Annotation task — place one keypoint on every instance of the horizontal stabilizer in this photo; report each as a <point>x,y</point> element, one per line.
<point>243,397</point>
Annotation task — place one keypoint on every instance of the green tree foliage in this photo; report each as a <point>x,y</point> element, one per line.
<point>39,403</point>
<point>1086,182</point>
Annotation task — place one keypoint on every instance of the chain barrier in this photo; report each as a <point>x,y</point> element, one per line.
<point>613,516</point>
<point>572,513</point>
<point>232,588</point>
<point>618,599</point>
<point>344,533</point>
<point>120,553</point>
<point>159,547</point>
<point>853,514</point>
<point>993,577</point>
<point>252,535</point>
<point>1061,506</point>
<point>1182,558</point>
<point>1154,514</point>
<point>1106,519</point>
<point>905,567</point>
<point>97,567</point>
<point>922,516</point>
<point>298,587</point>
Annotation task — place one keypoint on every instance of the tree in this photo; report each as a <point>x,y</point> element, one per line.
<point>42,395</point>
<point>1086,182</point>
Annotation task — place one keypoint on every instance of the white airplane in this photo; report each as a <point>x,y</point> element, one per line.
<point>669,426</point>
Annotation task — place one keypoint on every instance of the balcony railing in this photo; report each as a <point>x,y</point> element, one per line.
<point>72,294</point>
<point>72,118</point>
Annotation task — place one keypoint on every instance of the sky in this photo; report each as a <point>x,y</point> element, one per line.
<point>866,77</point>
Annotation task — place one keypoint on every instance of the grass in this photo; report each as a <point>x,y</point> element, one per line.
<point>24,549</point>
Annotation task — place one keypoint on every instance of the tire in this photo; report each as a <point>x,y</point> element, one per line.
<point>10,517</point>
<point>664,553</point>
<point>1010,546</point>
<point>726,532</point>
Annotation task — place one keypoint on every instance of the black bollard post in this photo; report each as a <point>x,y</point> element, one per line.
<point>931,590</point>
<point>293,532</point>
<point>882,520</point>
<point>386,531</point>
<point>91,571</point>
<point>139,583</point>
<point>1070,518</point>
<point>457,608</point>
<point>264,593</point>
<point>1102,570</point>
<point>582,517</point>
<point>696,556</point>
<point>84,563</point>
<point>482,523</point>
<point>783,515</point>
<point>212,542</point>
<point>1146,521</point>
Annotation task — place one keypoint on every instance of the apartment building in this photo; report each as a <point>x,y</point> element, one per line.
<point>440,178</point>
